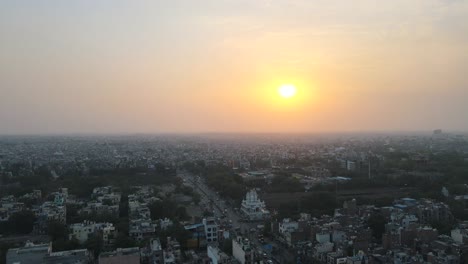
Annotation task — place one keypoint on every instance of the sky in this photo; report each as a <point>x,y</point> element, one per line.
<point>148,66</point>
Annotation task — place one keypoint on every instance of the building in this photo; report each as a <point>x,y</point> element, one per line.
<point>288,226</point>
<point>156,254</point>
<point>172,254</point>
<point>30,253</point>
<point>242,250</point>
<point>42,253</point>
<point>216,256</point>
<point>78,256</point>
<point>197,238</point>
<point>82,231</point>
<point>211,230</point>
<point>141,229</point>
<point>253,208</point>
<point>50,212</point>
<point>165,223</point>
<point>121,256</point>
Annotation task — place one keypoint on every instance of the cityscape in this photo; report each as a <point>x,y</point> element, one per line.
<point>235,198</point>
<point>233,132</point>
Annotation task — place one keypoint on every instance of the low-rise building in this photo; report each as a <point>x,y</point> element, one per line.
<point>211,230</point>
<point>156,252</point>
<point>216,256</point>
<point>121,256</point>
<point>42,253</point>
<point>288,226</point>
<point>141,229</point>
<point>242,250</point>
<point>82,231</point>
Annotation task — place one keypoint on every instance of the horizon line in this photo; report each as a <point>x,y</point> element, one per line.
<point>231,133</point>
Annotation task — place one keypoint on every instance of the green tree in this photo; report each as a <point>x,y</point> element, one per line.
<point>65,244</point>
<point>95,243</point>
<point>178,232</point>
<point>377,222</point>
<point>162,209</point>
<point>22,222</point>
<point>181,213</point>
<point>267,229</point>
<point>123,241</point>
<point>227,246</point>
<point>57,231</point>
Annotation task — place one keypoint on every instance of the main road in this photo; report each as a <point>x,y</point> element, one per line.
<point>222,211</point>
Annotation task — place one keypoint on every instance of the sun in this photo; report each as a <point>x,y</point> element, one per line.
<point>287,90</point>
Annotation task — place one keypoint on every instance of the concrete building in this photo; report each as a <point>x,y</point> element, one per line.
<point>156,252</point>
<point>141,229</point>
<point>78,256</point>
<point>30,253</point>
<point>173,253</point>
<point>216,256</point>
<point>323,236</point>
<point>242,250</point>
<point>288,226</point>
<point>42,253</point>
<point>121,256</point>
<point>460,236</point>
<point>48,212</point>
<point>165,223</point>
<point>211,230</point>
<point>82,231</point>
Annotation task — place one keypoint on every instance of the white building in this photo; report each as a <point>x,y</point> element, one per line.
<point>288,226</point>
<point>211,230</point>
<point>216,256</point>
<point>322,248</point>
<point>82,231</point>
<point>253,207</point>
<point>165,223</point>
<point>408,220</point>
<point>156,256</point>
<point>242,250</point>
<point>141,228</point>
<point>460,236</point>
<point>323,236</point>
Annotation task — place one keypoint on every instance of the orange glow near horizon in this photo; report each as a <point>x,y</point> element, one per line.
<point>149,72</point>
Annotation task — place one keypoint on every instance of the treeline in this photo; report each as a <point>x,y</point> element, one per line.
<point>220,178</point>
<point>284,183</point>
<point>20,223</point>
<point>168,209</point>
<point>315,203</point>
<point>82,186</point>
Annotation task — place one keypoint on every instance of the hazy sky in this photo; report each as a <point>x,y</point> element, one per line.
<point>214,66</point>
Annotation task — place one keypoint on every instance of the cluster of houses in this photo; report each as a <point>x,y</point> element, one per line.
<point>346,237</point>
<point>141,226</point>
<point>408,234</point>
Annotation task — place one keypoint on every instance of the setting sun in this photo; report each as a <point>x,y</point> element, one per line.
<point>287,90</point>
